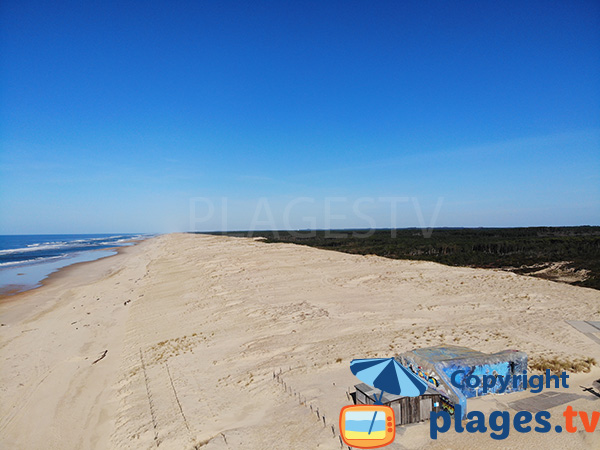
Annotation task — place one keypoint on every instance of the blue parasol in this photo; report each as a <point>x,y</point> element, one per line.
<point>387,375</point>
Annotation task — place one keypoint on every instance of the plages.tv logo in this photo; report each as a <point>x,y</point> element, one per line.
<point>500,422</point>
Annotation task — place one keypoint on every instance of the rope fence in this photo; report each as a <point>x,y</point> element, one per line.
<point>278,378</point>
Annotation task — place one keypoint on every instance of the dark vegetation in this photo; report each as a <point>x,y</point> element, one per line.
<point>521,250</point>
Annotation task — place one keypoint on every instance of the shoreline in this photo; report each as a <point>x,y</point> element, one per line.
<point>18,290</point>
<point>23,304</point>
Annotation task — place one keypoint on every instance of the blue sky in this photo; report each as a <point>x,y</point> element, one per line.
<point>166,116</point>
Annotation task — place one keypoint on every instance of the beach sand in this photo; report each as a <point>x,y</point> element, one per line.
<point>192,328</point>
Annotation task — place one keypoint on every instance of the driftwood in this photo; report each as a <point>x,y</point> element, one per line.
<point>102,357</point>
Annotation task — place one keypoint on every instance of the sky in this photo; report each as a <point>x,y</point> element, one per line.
<point>161,116</point>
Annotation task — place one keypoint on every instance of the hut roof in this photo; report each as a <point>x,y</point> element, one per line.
<point>445,355</point>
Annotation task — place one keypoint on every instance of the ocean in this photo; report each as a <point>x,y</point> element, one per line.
<point>25,260</point>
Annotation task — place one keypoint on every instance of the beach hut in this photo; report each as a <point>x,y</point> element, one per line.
<point>406,409</point>
<point>436,365</point>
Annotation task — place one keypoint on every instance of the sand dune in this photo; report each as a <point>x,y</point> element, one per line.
<point>195,326</point>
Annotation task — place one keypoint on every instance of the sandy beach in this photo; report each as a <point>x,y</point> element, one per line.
<point>173,344</point>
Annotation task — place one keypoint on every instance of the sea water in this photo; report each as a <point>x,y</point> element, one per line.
<point>25,260</point>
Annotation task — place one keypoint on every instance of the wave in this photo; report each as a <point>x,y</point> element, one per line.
<point>12,251</point>
<point>31,261</point>
<point>71,244</point>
